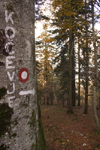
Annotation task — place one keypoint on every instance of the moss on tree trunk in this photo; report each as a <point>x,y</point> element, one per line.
<point>41,143</point>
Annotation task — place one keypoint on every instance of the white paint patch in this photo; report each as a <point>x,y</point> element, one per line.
<point>12,52</point>
<point>10,34</point>
<point>9,62</point>
<point>7,46</point>
<point>9,17</point>
<point>13,91</point>
<point>24,75</point>
<point>27,92</point>
<point>10,29</point>
<point>28,45</point>
<point>9,100</point>
<point>11,76</point>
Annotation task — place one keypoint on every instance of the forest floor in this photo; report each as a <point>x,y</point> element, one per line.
<point>69,131</point>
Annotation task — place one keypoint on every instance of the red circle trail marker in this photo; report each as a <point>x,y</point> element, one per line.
<point>23,75</point>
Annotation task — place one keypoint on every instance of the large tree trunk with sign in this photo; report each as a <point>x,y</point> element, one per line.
<point>20,118</point>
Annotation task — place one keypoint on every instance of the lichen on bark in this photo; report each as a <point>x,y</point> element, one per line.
<point>32,119</point>
<point>5,118</point>
<point>3,92</point>
<point>9,7</point>
<point>41,143</point>
<point>5,113</point>
<point>3,147</point>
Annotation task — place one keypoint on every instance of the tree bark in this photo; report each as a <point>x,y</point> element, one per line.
<point>71,46</point>
<point>95,72</point>
<point>73,76</point>
<point>21,126</point>
<point>78,74</point>
<point>87,60</point>
<point>94,109</point>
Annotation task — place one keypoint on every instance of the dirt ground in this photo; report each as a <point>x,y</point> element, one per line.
<point>69,131</point>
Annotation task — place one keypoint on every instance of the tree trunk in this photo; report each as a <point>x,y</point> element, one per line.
<point>71,46</point>
<point>78,74</point>
<point>86,79</point>
<point>52,101</point>
<point>47,100</point>
<point>73,76</point>
<point>86,97</point>
<point>99,100</point>
<point>20,119</point>
<point>95,72</point>
<point>52,96</point>
<point>63,102</point>
<point>94,109</point>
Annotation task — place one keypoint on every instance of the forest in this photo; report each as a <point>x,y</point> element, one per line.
<point>68,70</point>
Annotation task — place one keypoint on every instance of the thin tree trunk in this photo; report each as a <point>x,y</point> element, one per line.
<point>86,97</point>
<point>87,60</point>
<point>95,72</point>
<point>94,109</point>
<point>99,99</point>
<point>63,101</point>
<point>47,100</point>
<point>78,74</point>
<point>73,77</point>
<point>52,101</point>
<point>71,46</point>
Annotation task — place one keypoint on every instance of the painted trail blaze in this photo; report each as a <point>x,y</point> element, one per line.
<point>20,119</point>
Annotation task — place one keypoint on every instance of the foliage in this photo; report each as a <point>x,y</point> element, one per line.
<point>38,14</point>
<point>44,55</point>
<point>62,73</point>
<point>69,20</point>
<point>71,25</point>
